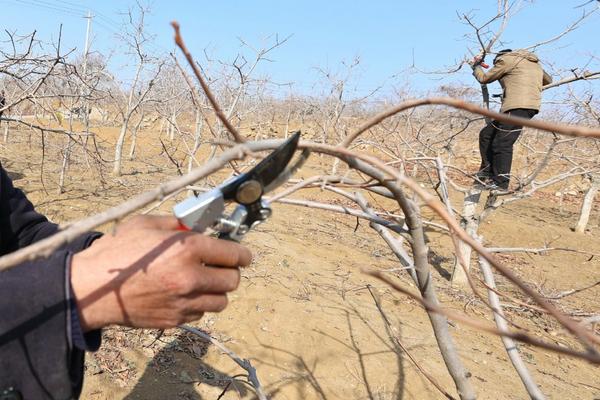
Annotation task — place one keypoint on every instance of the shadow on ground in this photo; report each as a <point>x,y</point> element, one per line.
<point>177,371</point>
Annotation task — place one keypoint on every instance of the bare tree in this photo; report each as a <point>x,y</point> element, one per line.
<point>147,69</point>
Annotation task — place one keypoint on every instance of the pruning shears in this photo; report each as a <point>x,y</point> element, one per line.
<point>480,60</point>
<point>207,210</point>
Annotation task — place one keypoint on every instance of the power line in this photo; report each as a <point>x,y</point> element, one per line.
<point>30,3</point>
<point>57,6</point>
<point>72,9</point>
<point>85,8</point>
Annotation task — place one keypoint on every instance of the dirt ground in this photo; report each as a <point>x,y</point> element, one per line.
<point>304,314</point>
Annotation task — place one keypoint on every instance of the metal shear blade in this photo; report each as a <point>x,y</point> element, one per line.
<point>247,189</point>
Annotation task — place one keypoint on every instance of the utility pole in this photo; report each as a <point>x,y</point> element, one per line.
<point>84,70</point>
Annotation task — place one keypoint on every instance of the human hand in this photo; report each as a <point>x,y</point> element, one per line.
<point>475,61</point>
<point>150,275</point>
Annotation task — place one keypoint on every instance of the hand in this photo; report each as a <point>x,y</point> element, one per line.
<point>149,275</point>
<point>475,61</point>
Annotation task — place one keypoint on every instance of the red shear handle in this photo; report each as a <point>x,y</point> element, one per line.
<point>182,227</point>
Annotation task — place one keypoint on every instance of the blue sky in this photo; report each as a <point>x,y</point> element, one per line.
<point>385,35</point>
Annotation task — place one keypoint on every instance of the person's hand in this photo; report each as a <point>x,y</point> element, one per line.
<point>150,275</point>
<point>475,61</point>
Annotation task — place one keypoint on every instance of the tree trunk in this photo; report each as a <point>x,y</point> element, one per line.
<point>586,206</point>
<point>287,121</point>
<point>134,137</point>
<point>172,126</point>
<point>127,117</point>
<point>470,223</point>
<point>65,165</point>
<point>65,160</point>
<point>6,133</point>
<point>438,322</point>
<point>197,137</point>
<point>119,147</point>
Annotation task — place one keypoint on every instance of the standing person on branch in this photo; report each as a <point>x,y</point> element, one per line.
<point>522,78</point>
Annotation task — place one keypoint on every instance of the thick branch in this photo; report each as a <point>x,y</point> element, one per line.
<point>45,247</point>
<point>586,75</point>
<point>569,130</point>
<point>509,344</point>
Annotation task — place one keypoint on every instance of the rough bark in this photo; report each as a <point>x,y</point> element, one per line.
<point>439,323</point>
<point>586,206</point>
<point>510,345</point>
<point>119,147</point>
<point>470,223</point>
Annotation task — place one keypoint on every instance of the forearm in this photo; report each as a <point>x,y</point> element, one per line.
<point>479,74</point>
<point>497,72</point>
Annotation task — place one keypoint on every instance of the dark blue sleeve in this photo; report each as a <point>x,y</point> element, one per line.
<point>36,357</point>
<point>41,340</point>
<point>20,224</point>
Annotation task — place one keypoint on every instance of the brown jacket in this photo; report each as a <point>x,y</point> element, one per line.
<point>521,78</point>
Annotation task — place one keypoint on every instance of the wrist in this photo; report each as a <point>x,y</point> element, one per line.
<point>89,298</point>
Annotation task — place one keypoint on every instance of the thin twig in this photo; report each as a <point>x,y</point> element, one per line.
<point>242,362</point>
<point>396,340</point>
<point>522,337</point>
<point>179,41</point>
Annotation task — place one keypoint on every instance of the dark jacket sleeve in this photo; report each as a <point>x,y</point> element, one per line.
<point>21,225</point>
<point>36,355</point>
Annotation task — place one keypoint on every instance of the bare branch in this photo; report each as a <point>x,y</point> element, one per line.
<point>179,41</point>
<point>242,362</point>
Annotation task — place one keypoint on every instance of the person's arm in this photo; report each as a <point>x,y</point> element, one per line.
<point>547,79</point>
<point>497,72</point>
<point>38,351</point>
<point>21,225</point>
<point>148,274</point>
<point>36,357</point>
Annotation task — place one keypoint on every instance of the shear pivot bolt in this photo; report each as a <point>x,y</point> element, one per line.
<point>249,192</point>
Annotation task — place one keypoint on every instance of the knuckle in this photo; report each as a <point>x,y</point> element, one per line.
<point>241,255</point>
<point>186,250</point>
<point>181,284</point>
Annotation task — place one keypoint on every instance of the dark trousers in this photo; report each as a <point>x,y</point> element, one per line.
<point>496,142</point>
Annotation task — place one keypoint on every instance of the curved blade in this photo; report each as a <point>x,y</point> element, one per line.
<point>267,170</point>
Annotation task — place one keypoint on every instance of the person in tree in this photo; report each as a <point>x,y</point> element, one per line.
<point>522,79</point>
